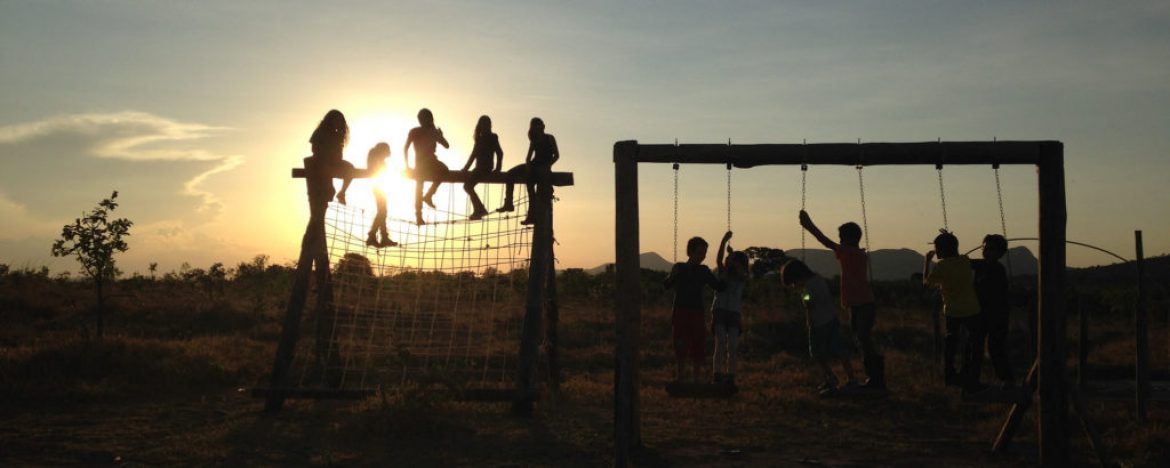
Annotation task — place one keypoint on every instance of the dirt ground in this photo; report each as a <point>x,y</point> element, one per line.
<point>194,409</point>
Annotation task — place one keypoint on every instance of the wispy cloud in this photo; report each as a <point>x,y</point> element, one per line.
<point>40,151</point>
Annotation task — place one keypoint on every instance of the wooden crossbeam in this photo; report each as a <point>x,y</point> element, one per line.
<point>559,179</point>
<point>849,154</point>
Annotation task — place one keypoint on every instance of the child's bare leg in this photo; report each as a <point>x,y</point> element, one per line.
<point>732,345</point>
<point>828,370</point>
<point>848,365</point>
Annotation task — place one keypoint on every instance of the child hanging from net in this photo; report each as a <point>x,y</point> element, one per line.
<point>727,310</point>
<point>376,163</point>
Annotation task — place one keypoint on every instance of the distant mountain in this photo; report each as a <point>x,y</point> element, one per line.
<point>1157,269</point>
<point>649,261</point>
<point>888,264</point>
<point>900,264</point>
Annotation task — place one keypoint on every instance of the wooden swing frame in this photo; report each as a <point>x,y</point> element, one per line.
<point>1050,369</point>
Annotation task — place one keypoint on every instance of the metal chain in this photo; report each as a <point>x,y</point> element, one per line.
<point>942,193</point>
<point>675,259</point>
<point>803,185</point>
<point>1002,217</point>
<point>864,218</point>
<point>728,197</point>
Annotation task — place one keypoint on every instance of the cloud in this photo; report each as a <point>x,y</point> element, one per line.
<point>66,163</point>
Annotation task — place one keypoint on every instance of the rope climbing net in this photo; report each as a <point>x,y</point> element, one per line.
<point>444,306</point>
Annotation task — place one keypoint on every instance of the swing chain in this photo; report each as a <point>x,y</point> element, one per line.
<point>675,259</point>
<point>942,195</point>
<point>864,217</point>
<point>803,185</point>
<point>1002,217</point>
<point>729,197</point>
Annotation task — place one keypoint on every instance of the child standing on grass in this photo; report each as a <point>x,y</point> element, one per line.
<point>856,295</point>
<point>727,310</point>
<point>687,324</point>
<point>825,342</point>
<point>953,277</point>
<point>376,163</point>
<point>991,287</point>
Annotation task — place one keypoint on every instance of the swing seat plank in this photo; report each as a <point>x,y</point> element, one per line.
<point>700,390</point>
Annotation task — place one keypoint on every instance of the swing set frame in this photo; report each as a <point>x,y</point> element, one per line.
<point>1049,372</point>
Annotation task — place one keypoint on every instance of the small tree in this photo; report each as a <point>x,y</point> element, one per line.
<point>93,239</point>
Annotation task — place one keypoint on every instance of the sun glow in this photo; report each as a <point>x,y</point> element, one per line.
<point>367,131</point>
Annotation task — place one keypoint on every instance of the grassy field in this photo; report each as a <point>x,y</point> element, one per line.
<point>168,386</point>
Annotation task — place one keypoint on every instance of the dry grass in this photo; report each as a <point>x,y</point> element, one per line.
<point>163,389</point>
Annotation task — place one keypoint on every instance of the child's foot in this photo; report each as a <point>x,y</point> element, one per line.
<point>429,202</point>
<point>418,219</point>
<point>526,221</point>
<point>827,386</point>
<point>506,208</point>
<point>372,241</point>
<point>387,243</point>
<point>477,215</point>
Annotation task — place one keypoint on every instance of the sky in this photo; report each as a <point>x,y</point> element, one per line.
<point>195,112</point>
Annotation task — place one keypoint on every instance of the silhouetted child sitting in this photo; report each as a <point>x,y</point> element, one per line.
<point>376,163</point>
<point>687,324</point>
<point>856,295</point>
<point>991,287</point>
<point>953,276</point>
<point>825,342</point>
<point>487,144</point>
<point>727,310</point>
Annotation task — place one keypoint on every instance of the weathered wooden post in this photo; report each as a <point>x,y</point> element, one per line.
<point>540,208</point>
<point>313,250</point>
<point>628,301</point>
<point>552,316</point>
<point>1082,345</point>
<point>1141,322</point>
<point>1052,375</point>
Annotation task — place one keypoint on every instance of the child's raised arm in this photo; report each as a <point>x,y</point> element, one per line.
<point>722,249</point>
<point>440,139</point>
<point>807,223</point>
<point>926,268</point>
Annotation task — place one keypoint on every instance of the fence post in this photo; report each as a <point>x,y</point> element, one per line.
<point>1141,321</point>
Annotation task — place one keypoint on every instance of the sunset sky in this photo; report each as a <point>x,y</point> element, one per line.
<point>196,111</point>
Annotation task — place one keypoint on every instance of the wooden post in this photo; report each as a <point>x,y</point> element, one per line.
<point>538,267</point>
<point>1052,385</point>
<point>1082,345</point>
<point>1141,321</point>
<point>552,317</point>
<point>313,250</point>
<point>627,300</point>
<point>1016,414</point>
